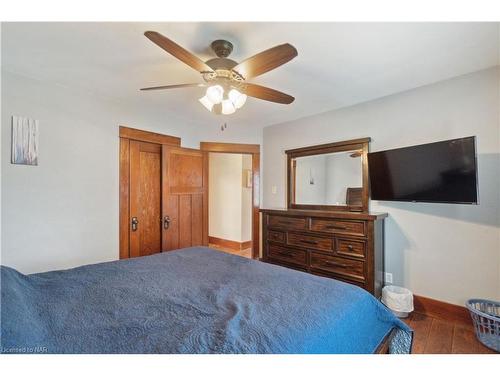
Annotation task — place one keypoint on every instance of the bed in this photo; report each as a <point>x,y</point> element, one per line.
<point>194,300</point>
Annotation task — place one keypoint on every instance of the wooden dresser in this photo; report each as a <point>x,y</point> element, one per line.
<point>343,245</point>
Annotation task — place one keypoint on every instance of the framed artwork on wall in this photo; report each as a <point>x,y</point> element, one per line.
<point>24,141</point>
<point>247,178</point>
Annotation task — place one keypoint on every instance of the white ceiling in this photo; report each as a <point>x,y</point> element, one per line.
<point>338,64</point>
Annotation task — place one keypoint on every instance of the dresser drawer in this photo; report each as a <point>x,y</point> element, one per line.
<point>338,226</point>
<point>336,277</point>
<point>352,248</point>
<point>296,267</point>
<point>310,241</point>
<point>349,268</point>
<point>276,236</point>
<point>293,256</point>
<point>297,223</point>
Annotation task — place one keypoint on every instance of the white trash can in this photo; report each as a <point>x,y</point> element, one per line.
<point>398,299</point>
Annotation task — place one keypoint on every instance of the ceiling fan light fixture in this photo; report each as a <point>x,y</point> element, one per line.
<point>228,107</point>
<point>215,93</point>
<point>223,77</point>
<point>207,103</point>
<point>237,98</point>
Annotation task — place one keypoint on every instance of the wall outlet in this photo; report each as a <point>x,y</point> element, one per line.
<point>388,278</point>
<point>274,189</point>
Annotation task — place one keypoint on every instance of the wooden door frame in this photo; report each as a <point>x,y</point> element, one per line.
<point>126,135</point>
<point>247,149</point>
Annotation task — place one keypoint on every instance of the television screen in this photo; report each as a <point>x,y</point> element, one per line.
<point>442,172</point>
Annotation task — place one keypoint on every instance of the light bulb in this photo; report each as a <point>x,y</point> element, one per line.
<point>228,107</point>
<point>207,103</point>
<point>215,94</point>
<point>237,98</point>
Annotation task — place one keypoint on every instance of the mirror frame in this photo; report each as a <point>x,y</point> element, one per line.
<point>350,145</point>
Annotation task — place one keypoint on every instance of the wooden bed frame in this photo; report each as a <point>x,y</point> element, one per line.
<point>383,348</point>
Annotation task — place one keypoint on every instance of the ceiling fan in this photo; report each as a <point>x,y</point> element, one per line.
<point>225,79</point>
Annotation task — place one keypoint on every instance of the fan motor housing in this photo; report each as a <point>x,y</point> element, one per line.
<point>221,63</point>
<point>222,48</point>
<point>222,67</point>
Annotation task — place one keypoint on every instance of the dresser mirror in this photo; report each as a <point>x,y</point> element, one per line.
<point>332,176</point>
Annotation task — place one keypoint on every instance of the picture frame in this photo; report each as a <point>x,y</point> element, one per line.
<point>24,141</point>
<point>247,178</point>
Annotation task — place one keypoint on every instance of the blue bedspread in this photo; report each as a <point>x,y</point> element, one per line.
<point>193,300</point>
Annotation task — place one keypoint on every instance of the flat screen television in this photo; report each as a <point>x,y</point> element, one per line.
<point>439,172</point>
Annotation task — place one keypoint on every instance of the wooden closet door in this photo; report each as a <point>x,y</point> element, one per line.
<point>145,198</point>
<point>185,208</point>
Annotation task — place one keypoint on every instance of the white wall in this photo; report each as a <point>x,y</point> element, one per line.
<point>342,172</point>
<point>229,205</point>
<point>246,203</point>
<point>64,212</point>
<point>332,174</point>
<point>224,202</point>
<point>0,151</point>
<point>446,252</point>
<point>307,168</point>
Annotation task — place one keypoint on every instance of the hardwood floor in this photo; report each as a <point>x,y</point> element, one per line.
<point>437,336</point>
<point>246,253</point>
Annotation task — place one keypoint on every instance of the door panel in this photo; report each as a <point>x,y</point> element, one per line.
<point>197,218</point>
<point>145,198</point>
<point>184,197</point>
<point>170,236</point>
<point>186,171</point>
<point>185,214</point>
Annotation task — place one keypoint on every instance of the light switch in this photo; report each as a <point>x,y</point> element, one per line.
<point>274,189</point>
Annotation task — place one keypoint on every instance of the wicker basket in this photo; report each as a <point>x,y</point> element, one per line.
<point>486,318</point>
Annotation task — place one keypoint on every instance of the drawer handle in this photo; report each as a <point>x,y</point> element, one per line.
<point>286,253</point>
<point>335,227</point>
<point>350,247</point>
<point>335,264</point>
<point>284,222</point>
<point>310,242</point>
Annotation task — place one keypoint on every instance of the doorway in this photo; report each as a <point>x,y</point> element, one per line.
<point>230,203</point>
<point>236,197</point>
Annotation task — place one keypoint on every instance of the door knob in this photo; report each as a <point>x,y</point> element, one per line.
<point>166,222</point>
<point>135,223</point>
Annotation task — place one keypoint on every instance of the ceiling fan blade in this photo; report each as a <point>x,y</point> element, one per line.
<point>265,93</point>
<point>265,61</point>
<point>173,86</point>
<point>177,51</point>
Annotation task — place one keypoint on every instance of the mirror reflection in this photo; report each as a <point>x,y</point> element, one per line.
<point>328,179</point>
